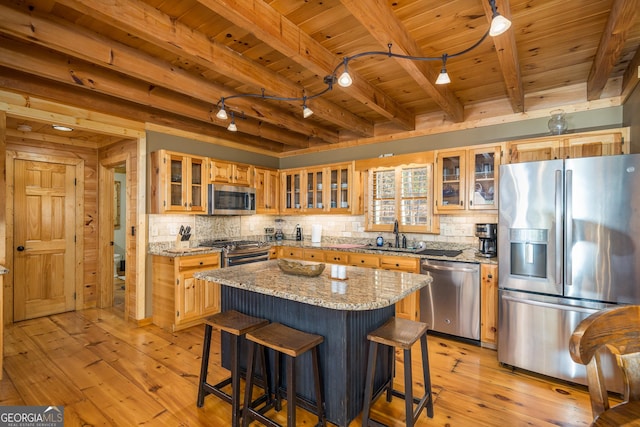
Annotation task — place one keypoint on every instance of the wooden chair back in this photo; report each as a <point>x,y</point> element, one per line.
<point>617,329</point>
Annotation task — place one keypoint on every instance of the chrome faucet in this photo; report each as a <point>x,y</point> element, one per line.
<point>395,231</point>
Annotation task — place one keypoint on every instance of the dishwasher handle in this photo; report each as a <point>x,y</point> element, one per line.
<point>431,267</point>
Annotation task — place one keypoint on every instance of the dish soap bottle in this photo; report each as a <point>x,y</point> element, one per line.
<point>379,241</point>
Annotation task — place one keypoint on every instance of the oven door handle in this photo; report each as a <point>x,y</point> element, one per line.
<point>246,259</point>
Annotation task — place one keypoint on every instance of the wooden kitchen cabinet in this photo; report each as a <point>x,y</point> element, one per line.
<point>178,183</point>
<point>317,255</point>
<point>409,307</point>
<point>222,172</point>
<point>267,185</point>
<point>489,305</point>
<point>569,146</point>
<point>467,179</point>
<point>363,260</point>
<point>179,299</point>
<point>334,188</point>
<point>290,252</point>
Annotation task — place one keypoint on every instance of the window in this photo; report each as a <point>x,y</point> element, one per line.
<point>403,193</point>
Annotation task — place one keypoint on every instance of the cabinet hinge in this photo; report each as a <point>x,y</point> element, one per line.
<point>164,160</point>
<point>178,313</point>
<point>74,238</point>
<point>177,281</point>
<point>75,295</point>
<point>75,181</point>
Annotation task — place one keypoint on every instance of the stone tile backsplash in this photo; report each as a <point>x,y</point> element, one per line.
<point>454,229</point>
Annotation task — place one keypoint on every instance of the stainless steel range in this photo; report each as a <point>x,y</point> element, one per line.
<point>237,252</point>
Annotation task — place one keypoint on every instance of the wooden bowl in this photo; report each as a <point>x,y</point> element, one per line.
<point>299,269</point>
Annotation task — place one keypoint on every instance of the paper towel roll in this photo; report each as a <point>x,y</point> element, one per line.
<point>316,233</point>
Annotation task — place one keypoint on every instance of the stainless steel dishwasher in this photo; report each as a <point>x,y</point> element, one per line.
<point>451,303</point>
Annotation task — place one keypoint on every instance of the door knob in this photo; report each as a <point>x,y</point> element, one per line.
<point>20,248</point>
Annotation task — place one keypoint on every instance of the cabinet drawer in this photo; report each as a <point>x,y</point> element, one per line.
<point>314,255</point>
<point>335,257</point>
<point>198,261</point>
<point>399,263</point>
<point>364,260</point>
<point>289,252</point>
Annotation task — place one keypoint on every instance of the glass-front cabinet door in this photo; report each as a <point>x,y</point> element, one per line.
<point>315,190</point>
<point>340,194</point>
<point>483,178</point>
<point>197,188</point>
<point>292,190</point>
<point>450,181</point>
<point>177,172</point>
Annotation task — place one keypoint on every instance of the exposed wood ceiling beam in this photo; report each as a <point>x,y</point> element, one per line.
<point>150,24</point>
<point>80,43</point>
<point>94,78</point>
<point>35,86</point>
<point>281,34</point>
<point>379,19</point>
<point>507,52</point>
<point>621,18</point>
<point>631,76</point>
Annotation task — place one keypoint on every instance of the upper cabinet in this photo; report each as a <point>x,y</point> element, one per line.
<point>589,144</point>
<point>231,173</point>
<point>467,179</point>
<point>327,189</point>
<point>266,182</point>
<point>178,183</point>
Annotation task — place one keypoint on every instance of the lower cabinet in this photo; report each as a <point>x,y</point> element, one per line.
<point>409,307</point>
<point>489,305</point>
<point>179,299</point>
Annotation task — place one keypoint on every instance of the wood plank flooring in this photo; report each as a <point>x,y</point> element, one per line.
<point>108,372</point>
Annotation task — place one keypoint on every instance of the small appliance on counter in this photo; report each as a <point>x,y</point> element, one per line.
<point>268,234</point>
<point>488,235</point>
<point>298,233</point>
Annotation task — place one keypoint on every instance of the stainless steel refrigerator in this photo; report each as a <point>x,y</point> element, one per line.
<point>568,245</point>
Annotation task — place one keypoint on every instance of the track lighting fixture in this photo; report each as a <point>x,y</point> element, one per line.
<point>306,111</point>
<point>499,25</point>
<point>345,79</point>
<point>232,126</point>
<point>443,77</point>
<point>222,114</point>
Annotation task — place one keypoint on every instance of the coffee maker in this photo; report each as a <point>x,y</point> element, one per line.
<point>488,235</point>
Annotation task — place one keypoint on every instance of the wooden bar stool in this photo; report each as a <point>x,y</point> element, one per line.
<point>291,343</point>
<point>236,324</point>
<point>400,333</point>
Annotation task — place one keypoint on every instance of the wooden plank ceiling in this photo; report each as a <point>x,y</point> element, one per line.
<point>169,62</point>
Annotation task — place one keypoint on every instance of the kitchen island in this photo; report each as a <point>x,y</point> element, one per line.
<point>342,311</point>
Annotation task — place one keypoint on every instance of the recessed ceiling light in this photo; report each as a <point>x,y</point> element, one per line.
<point>24,128</point>
<point>62,128</point>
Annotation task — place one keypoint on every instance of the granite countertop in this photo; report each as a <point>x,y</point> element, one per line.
<point>467,254</point>
<point>174,252</point>
<point>3,269</point>
<point>364,288</point>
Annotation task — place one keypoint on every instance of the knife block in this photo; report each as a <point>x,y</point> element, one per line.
<point>181,244</point>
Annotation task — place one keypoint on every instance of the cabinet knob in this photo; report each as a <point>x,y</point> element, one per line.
<point>490,276</point>
<point>461,202</point>
<point>201,262</point>
<point>362,261</point>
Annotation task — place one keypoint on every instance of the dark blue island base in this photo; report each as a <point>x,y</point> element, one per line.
<point>343,354</point>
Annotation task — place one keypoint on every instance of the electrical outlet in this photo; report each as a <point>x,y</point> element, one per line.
<point>173,229</point>
<point>154,230</point>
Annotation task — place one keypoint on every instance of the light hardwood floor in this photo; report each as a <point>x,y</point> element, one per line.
<point>108,372</point>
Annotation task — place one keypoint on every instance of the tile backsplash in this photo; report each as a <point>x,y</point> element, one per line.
<point>455,229</point>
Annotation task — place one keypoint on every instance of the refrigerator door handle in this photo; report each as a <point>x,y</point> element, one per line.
<point>559,227</point>
<point>568,226</point>
<point>550,305</point>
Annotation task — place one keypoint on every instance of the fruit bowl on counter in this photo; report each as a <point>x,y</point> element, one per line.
<point>300,269</point>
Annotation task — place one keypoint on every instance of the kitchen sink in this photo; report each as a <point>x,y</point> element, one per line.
<point>440,252</point>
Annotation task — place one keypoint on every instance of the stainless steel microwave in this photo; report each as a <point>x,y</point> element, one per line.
<point>231,200</point>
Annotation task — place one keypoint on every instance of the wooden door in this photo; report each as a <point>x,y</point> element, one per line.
<point>44,258</point>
